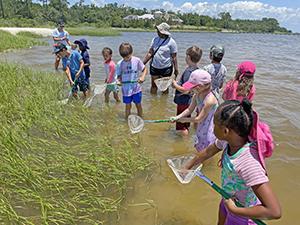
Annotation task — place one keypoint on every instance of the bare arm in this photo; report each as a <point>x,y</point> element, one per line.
<point>178,87</point>
<point>143,74</point>
<point>205,154</point>
<point>174,60</point>
<point>148,56</point>
<point>202,114</point>
<point>188,111</point>
<point>269,208</point>
<point>68,74</point>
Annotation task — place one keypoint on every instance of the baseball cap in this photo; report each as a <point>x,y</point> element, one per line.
<point>217,51</point>
<point>82,42</point>
<point>198,77</point>
<point>247,68</point>
<point>59,47</point>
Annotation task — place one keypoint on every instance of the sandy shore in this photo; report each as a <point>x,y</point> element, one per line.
<point>41,31</point>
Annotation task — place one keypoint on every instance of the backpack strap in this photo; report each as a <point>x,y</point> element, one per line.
<point>152,56</point>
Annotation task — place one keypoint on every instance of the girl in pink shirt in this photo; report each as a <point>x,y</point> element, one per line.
<point>111,78</point>
<point>242,85</point>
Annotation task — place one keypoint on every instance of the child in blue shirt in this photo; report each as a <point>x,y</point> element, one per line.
<point>193,56</point>
<point>83,47</point>
<point>74,69</point>
<point>128,73</point>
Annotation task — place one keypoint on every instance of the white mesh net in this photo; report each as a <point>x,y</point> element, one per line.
<point>135,123</point>
<point>98,90</point>
<point>184,176</point>
<point>163,83</point>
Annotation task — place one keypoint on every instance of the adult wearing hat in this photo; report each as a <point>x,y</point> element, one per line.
<point>60,36</point>
<point>162,56</point>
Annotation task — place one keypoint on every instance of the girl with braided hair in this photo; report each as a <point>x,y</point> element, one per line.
<point>243,174</point>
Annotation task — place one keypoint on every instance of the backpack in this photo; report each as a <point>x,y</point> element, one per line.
<point>261,134</point>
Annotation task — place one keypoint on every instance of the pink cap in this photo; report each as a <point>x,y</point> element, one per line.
<point>247,68</point>
<point>198,77</point>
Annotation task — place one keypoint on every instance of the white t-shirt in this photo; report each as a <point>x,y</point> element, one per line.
<point>162,58</point>
<point>59,34</point>
<point>218,74</point>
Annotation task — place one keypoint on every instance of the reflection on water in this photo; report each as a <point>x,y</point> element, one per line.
<point>159,198</point>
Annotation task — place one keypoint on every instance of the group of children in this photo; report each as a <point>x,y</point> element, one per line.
<point>225,127</point>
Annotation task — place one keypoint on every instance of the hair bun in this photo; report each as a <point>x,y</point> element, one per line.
<point>247,106</point>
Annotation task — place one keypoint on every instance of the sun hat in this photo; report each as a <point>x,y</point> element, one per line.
<point>217,51</point>
<point>198,77</point>
<point>82,42</point>
<point>164,28</point>
<point>246,68</point>
<point>59,47</point>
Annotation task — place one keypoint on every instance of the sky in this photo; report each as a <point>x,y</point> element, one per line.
<point>287,12</point>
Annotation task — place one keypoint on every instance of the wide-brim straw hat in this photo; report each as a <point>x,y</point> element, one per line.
<point>164,28</point>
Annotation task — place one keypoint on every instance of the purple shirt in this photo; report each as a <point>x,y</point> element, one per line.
<point>128,72</point>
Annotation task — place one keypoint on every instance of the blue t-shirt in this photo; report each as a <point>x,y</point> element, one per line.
<point>86,59</point>
<point>181,99</point>
<point>73,62</point>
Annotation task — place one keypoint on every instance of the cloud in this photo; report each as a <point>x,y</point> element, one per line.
<point>241,9</point>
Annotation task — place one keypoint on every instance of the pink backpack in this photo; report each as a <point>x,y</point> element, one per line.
<point>261,134</point>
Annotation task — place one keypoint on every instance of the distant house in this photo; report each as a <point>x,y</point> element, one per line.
<point>131,17</point>
<point>158,14</point>
<point>146,17</point>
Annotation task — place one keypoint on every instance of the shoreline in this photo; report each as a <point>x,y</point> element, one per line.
<point>46,32</point>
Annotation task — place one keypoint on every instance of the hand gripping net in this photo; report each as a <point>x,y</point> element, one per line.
<point>177,163</point>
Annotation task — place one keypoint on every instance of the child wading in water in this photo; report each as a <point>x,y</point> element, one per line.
<point>243,172</point>
<point>128,72</point>
<point>111,78</point>
<point>193,56</point>
<point>242,85</point>
<point>206,103</point>
<point>216,69</point>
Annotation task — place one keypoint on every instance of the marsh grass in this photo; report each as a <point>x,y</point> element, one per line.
<point>60,164</point>
<point>29,34</point>
<point>93,31</point>
<point>9,41</point>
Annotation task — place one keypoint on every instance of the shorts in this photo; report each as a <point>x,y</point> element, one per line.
<point>232,219</point>
<point>112,87</point>
<point>136,98</point>
<point>165,72</point>
<point>83,86</point>
<point>182,126</point>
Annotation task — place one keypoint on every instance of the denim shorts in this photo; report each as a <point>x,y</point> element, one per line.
<point>136,98</point>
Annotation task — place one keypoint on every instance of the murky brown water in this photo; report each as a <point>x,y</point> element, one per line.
<point>159,198</point>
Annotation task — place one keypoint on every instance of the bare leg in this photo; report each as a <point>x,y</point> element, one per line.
<point>139,109</point>
<point>153,89</point>
<point>127,110</point>
<point>116,97</point>
<point>106,95</point>
<point>56,63</point>
<point>184,132</point>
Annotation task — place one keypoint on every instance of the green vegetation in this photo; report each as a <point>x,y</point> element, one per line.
<point>29,34</point>
<point>27,13</point>
<point>93,31</point>
<point>22,40</point>
<point>59,164</point>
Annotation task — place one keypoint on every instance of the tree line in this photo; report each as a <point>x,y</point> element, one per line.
<point>48,12</point>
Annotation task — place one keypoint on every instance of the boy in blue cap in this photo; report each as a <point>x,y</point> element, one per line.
<point>83,47</point>
<point>74,69</point>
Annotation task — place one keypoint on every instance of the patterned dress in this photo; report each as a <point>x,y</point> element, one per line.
<point>205,130</point>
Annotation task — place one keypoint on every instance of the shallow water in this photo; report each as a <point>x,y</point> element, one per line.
<point>159,198</point>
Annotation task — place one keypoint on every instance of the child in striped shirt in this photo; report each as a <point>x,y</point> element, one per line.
<point>243,172</point>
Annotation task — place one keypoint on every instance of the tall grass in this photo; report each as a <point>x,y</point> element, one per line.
<point>59,164</point>
<point>92,31</point>
<point>9,41</point>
